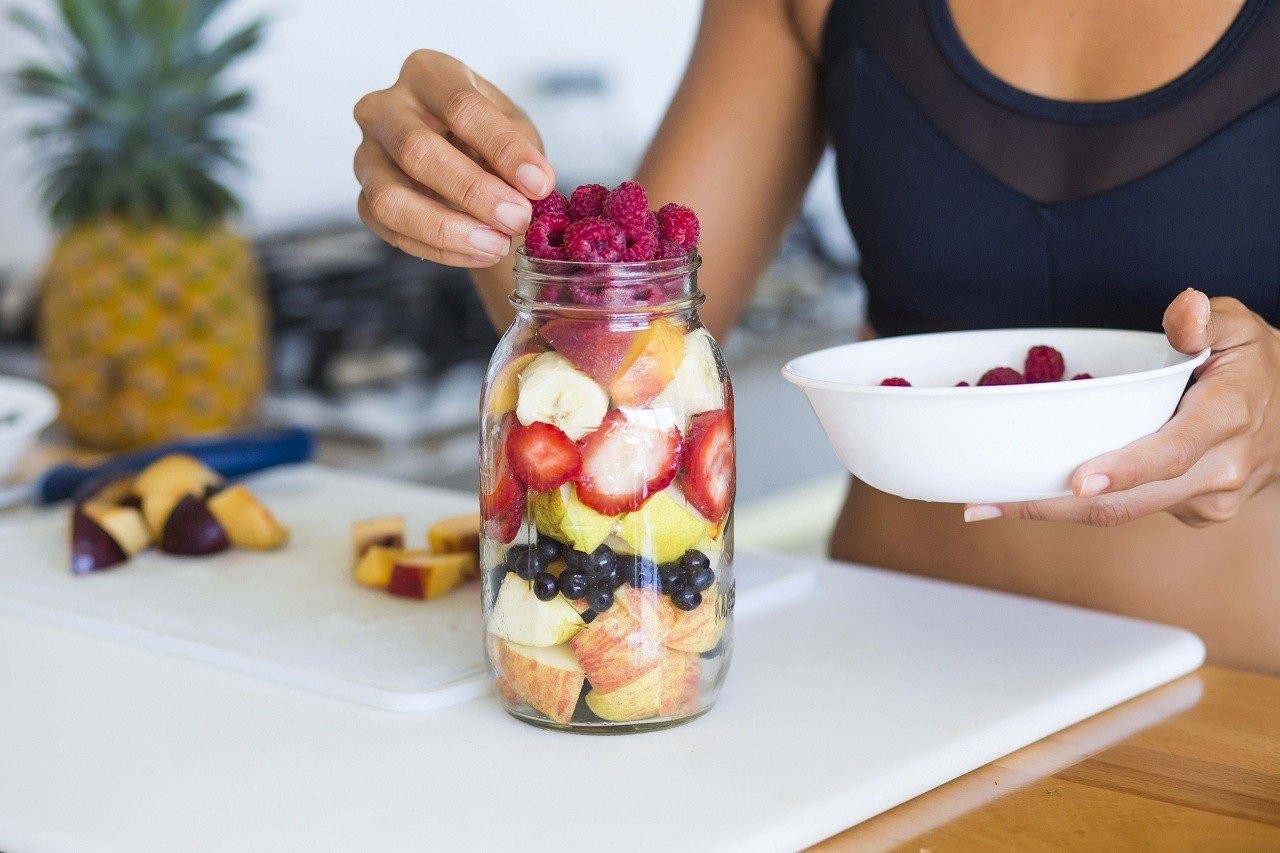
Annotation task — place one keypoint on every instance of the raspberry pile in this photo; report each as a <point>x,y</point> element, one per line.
<point>1042,364</point>
<point>598,225</point>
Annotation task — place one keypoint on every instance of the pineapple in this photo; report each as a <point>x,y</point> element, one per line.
<point>152,318</point>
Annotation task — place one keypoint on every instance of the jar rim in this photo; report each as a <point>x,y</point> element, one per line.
<point>621,272</point>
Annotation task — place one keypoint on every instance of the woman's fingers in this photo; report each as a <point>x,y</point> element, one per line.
<point>392,202</point>
<point>453,93</point>
<point>433,161</point>
<point>418,249</point>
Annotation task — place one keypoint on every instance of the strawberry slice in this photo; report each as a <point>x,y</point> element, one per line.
<point>499,488</point>
<point>504,526</point>
<point>625,461</point>
<point>542,456</point>
<point>708,471</point>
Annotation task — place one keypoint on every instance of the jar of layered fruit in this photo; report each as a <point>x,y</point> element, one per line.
<point>607,477</point>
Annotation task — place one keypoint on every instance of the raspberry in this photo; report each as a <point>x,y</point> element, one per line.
<point>628,206</point>
<point>545,237</point>
<point>667,250</point>
<point>1081,376</point>
<point>587,201</point>
<point>896,382</point>
<point>642,245</point>
<point>1044,364</point>
<point>679,225</point>
<point>594,240</point>
<point>554,203</point>
<point>1002,376</point>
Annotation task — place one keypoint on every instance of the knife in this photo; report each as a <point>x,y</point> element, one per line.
<point>230,457</point>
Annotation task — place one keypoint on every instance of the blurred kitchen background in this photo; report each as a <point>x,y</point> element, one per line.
<point>384,354</point>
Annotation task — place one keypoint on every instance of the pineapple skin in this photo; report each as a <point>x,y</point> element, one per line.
<point>152,332</point>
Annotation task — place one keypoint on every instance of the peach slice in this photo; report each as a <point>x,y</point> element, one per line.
<point>650,363</point>
<point>248,523</point>
<point>420,574</point>
<point>374,567</point>
<point>547,678</point>
<point>455,535</point>
<point>387,532</point>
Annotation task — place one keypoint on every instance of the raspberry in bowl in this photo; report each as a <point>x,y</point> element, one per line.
<point>903,417</point>
<point>607,474</point>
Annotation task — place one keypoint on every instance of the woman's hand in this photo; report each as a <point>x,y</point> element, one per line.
<point>1221,446</point>
<point>448,164</point>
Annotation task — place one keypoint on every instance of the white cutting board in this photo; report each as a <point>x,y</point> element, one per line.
<point>844,699</point>
<point>294,616</point>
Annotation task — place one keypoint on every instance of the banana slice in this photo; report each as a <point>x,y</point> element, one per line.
<point>696,387</point>
<point>553,391</point>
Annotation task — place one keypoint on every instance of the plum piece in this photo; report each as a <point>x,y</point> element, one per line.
<point>191,530</point>
<point>92,547</point>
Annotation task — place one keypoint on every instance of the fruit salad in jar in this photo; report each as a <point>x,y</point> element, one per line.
<point>607,474</point>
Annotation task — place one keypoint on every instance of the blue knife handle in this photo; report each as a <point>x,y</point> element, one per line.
<point>230,457</point>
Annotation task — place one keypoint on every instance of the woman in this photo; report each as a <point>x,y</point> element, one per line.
<point>1002,164</point>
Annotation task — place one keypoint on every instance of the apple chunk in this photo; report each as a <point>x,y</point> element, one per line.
<point>698,630</point>
<point>615,649</point>
<point>92,547</point>
<point>547,679</point>
<point>520,617</point>
<point>668,689</point>
<point>248,523</point>
<point>191,530</point>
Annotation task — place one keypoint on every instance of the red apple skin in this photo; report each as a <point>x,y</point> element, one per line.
<point>406,581</point>
<point>615,650</point>
<point>553,692</point>
<point>679,684</point>
<point>192,531</point>
<point>92,547</point>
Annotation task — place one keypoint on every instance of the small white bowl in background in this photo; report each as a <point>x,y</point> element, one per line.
<point>25,409</point>
<point>990,444</point>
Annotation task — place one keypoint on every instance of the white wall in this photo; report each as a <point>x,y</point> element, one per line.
<point>321,55</point>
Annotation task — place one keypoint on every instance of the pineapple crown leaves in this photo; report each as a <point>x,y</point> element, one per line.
<point>138,92</point>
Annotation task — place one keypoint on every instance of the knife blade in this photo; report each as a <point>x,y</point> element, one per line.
<point>230,456</point>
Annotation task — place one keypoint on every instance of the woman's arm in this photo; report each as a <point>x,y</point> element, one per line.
<point>738,145</point>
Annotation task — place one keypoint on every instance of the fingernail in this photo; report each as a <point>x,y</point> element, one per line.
<point>514,217</point>
<point>1094,484</point>
<point>982,512</point>
<point>533,180</point>
<point>490,242</point>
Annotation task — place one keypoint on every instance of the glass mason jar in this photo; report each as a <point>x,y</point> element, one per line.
<point>606,487</point>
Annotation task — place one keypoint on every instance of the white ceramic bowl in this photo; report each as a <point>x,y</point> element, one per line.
<point>25,409</point>
<point>992,444</point>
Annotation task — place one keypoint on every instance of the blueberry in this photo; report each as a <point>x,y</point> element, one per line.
<point>573,583</point>
<point>602,561</point>
<point>686,598</point>
<point>599,598</point>
<point>612,576</point>
<point>701,578</point>
<point>694,560</point>
<point>550,549</point>
<point>676,585</point>
<point>545,586</point>
<point>670,574</point>
<point>574,559</point>
<point>525,561</point>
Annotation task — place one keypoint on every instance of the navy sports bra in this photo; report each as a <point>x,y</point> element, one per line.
<point>975,204</point>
